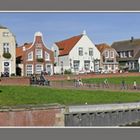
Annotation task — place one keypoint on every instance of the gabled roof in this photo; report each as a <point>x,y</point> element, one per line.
<point>126,45</point>
<point>65,46</point>
<point>19,50</point>
<point>103,46</point>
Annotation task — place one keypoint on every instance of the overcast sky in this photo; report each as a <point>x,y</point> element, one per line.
<point>100,27</point>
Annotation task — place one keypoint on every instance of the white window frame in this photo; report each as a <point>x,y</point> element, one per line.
<point>29,72</point>
<point>112,54</point>
<point>6,47</point>
<point>38,71</point>
<point>47,56</point>
<point>80,51</point>
<point>5,34</point>
<point>39,54</point>
<point>30,59</point>
<point>76,65</point>
<point>90,50</point>
<point>106,54</point>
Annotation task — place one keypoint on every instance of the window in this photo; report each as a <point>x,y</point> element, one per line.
<point>47,56</point>
<point>121,54</point>
<point>90,51</point>
<point>6,47</point>
<point>29,69</point>
<point>38,68</point>
<point>38,53</point>
<point>38,45</point>
<point>76,64</point>
<point>55,53</point>
<point>5,34</point>
<point>81,51</point>
<point>112,54</point>
<point>106,54</point>
<point>30,56</point>
<point>87,64</point>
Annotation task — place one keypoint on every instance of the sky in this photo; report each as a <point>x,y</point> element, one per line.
<point>56,26</point>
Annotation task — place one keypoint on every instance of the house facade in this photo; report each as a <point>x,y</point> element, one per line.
<point>7,52</point>
<point>108,61</point>
<point>77,54</point>
<point>129,54</point>
<point>34,58</point>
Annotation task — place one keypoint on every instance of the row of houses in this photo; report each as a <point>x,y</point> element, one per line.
<point>77,54</point>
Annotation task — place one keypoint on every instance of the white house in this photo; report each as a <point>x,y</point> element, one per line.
<point>7,52</point>
<point>77,54</point>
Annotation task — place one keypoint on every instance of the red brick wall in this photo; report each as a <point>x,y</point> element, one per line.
<point>15,81</point>
<point>39,117</point>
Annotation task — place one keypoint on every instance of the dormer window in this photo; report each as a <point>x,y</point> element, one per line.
<point>38,53</point>
<point>30,56</point>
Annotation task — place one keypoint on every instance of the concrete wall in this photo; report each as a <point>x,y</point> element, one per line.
<point>34,116</point>
<point>103,115</point>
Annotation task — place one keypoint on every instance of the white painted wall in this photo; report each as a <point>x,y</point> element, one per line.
<point>11,40</point>
<point>85,43</point>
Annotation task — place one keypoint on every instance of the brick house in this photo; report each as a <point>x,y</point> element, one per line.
<point>108,61</point>
<point>129,53</point>
<point>77,54</point>
<point>7,52</point>
<point>34,58</point>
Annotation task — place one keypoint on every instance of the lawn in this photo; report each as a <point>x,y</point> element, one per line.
<point>20,95</point>
<point>114,80</point>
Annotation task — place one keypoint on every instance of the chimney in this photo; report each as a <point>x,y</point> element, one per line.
<point>132,38</point>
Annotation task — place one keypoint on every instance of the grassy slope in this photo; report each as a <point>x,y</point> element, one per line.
<point>17,95</point>
<point>114,80</point>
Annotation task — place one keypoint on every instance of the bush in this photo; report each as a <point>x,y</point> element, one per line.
<point>67,71</point>
<point>40,59</point>
<point>7,55</point>
<point>13,74</point>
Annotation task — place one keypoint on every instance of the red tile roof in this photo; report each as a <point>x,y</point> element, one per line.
<point>19,50</point>
<point>102,47</point>
<point>65,46</point>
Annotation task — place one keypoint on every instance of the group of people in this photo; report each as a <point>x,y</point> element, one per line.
<point>123,84</point>
<point>78,82</point>
<point>41,80</point>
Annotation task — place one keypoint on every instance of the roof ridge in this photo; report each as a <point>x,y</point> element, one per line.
<point>69,38</point>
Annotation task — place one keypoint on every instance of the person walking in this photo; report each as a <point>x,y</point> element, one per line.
<point>106,84</point>
<point>123,84</point>
<point>135,84</point>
